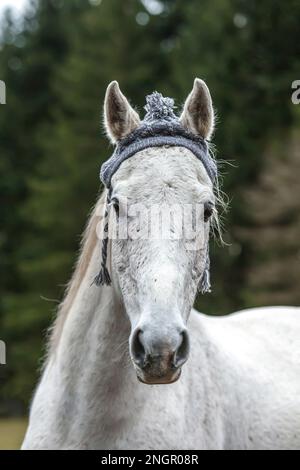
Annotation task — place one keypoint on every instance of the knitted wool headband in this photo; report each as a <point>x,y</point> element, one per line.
<point>160,127</point>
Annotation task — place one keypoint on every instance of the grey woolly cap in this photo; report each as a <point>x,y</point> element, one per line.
<point>160,127</point>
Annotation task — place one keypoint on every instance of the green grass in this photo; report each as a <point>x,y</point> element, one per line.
<point>12,432</point>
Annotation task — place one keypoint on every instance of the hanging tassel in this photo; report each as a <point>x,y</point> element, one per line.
<point>205,285</point>
<point>103,278</point>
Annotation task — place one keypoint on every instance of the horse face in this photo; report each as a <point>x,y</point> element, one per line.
<point>157,265</point>
<point>163,201</point>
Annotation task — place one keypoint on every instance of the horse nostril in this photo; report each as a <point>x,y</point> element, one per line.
<point>182,352</point>
<point>137,348</point>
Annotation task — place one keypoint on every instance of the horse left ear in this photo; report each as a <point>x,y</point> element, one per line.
<point>198,113</point>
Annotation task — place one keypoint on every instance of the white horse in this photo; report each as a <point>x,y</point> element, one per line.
<point>240,388</point>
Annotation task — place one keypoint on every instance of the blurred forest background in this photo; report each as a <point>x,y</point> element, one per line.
<point>57,61</point>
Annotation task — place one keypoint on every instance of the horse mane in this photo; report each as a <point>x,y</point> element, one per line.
<point>87,245</point>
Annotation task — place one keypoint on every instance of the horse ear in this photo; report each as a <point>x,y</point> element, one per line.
<point>198,113</point>
<point>119,117</point>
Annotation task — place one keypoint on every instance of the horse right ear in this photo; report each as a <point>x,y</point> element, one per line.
<point>119,117</point>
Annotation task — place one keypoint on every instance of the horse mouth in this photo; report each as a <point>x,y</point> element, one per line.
<point>159,380</point>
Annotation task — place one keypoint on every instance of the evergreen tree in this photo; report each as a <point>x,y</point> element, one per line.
<point>273,226</point>
<point>30,55</point>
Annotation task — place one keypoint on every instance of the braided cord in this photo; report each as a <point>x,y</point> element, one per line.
<point>103,278</point>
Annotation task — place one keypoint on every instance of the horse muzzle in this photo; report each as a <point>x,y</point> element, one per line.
<point>158,360</point>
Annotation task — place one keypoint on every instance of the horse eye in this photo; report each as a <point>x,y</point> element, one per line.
<point>208,211</point>
<point>115,204</point>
